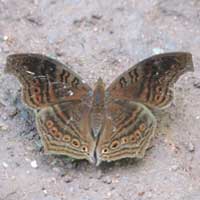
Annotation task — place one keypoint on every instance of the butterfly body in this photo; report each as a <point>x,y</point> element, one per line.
<point>100,124</point>
<point>97,114</point>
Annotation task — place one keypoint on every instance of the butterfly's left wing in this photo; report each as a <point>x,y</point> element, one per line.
<point>150,81</point>
<point>45,81</point>
<point>127,132</point>
<point>64,130</point>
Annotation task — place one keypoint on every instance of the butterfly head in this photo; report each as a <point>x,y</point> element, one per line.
<point>99,93</point>
<point>100,83</point>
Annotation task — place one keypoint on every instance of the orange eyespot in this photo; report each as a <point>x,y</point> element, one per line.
<point>124,140</point>
<point>38,98</point>
<point>53,131</point>
<point>75,143</point>
<point>158,98</point>
<point>66,138</point>
<point>37,90</point>
<point>84,149</point>
<point>58,135</point>
<point>137,134</point>
<point>114,144</point>
<point>105,150</point>
<point>142,127</point>
<point>133,138</point>
<point>49,124</point>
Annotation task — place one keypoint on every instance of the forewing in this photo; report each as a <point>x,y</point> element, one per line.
<point>45,81</point>
<point>150,81</point>
<point>64,130</point>
<point>128,130</point>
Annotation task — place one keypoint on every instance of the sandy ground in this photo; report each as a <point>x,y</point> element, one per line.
<point>101,38</point>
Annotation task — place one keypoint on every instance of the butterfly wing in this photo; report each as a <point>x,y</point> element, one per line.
<point>45,81</point>
<point>128,129</point>
<point>59,96</point>
<point>64,130</point>
<point>150,81</point>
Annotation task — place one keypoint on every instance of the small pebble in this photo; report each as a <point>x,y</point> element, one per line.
<point>157,50</point>
<point>109,194</point>
<point>141,193</point>
<point>149,195</point>
<point>34,164</point>
<point>107,180</point>
<point>99,174</point>
<point>85,187</point>
<point>44,190</point>
<point>5,37</point>
<point>115,180</point>
<point>173,168</point>
<point>4,118</point>
<point>27,159</point>
<point>197,84</point>
<point>71,189</point>
<point>96,16</point>
<point>191,147</point>
<point>3,127</point>
<point>53,180</point>
<point>5,165</point>
<point>95,29</point>
<point>56,169</point>
<point>68,179</point>
<point>112,188</point>
<point>13,112</point>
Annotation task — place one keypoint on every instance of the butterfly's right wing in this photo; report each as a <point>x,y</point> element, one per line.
<point>127,132</point>
<point>45,81</point>
<point>64,130</point>
<point>150,81</point>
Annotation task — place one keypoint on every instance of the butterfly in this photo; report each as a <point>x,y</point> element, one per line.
<point>100,124</point>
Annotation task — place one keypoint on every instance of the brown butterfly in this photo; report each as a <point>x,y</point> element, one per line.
<point>100,124</point>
